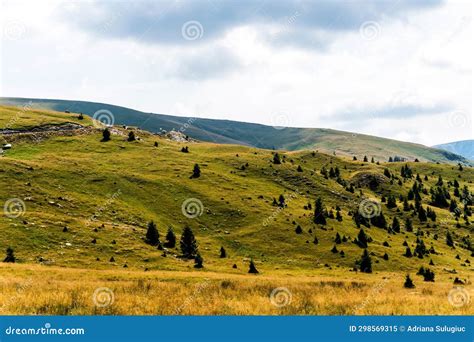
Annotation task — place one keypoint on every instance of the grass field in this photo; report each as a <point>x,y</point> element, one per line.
<point>105,193</point>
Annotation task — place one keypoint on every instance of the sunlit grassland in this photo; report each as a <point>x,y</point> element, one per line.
<point>109,191</point>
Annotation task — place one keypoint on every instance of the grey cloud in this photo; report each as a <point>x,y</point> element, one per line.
<point>161,21</point>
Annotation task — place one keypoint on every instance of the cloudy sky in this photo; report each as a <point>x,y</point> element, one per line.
<point>399,69</point>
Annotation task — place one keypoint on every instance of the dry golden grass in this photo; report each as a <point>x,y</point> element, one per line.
<point>30,289</point>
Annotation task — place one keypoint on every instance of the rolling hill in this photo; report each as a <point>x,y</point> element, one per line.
<point>76,211</point>
<point>463,148</point>
<point>255,135</point>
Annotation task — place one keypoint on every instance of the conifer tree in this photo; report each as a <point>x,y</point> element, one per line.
<point>198,260</point>
<point>170,238</point>
<point>408,283</point>
<point>319,212</point>
<point>365,263</point>
<point>276,159</point>
<point>196,171</point>
<point>10,256</point>
<point>105,135</point>
<point>188,243</point>
<point>252,268</point>
<point>395,225</point>
<point>449,239</point>
<point>152,235</point>
<point>223,253</point>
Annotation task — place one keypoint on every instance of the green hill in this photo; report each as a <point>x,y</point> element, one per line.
<point>76,202</point>
<point>255,135</point>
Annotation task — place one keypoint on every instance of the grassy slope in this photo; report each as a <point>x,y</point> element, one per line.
<point>232,132</point>
<point>82,183</point>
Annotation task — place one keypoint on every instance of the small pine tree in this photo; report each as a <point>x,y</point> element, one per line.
<point>298,229</point>
<point>337,239</point>
<point>408,225</point>
<point>223,253</point>
<point>152,235</point>
<point>408,252</point>
<point>252,268</point>
<point>429,275</point>
<point>449,239</point>
<point>105,135</point>
<point>319,212</point>
<point>276,159</point>
<point>131,136</point>
<point>338,216</point>
<point>365,263</point>
<point>299,168</point>
<point>196,171</point>
<point>365,159</point>
<point>385,256</point>
<point>362,239</point>
<point>334,249</point>
<point>170,238</point>
<point>10,256</point>
<point>395,225</point>
<point>188,243</point>
<point>408,283</point>
<point>198,260</point>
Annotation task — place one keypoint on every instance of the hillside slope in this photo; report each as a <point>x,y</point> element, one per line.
<point>256,135</point>
<point>76,209</point>
<point>463,148</point>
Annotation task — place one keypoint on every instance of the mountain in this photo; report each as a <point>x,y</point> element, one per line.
<point>248,134</point>
<point>463,148</point>
<point>76,210</point>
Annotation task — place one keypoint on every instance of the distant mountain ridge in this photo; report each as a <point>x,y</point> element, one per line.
<point>251,134</point>
<point>464,148</point>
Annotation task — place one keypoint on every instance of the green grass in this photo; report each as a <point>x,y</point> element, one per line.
<point>65,181</point>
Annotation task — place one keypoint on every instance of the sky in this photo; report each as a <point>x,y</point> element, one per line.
<point>400,69</point>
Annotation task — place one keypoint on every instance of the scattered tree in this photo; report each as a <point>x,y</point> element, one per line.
<point>105,135</point>
<point>252,268</point>
<point>170,238</point>
<point>408,283</point>
<point>188,243</point>
<point>152,235</point>
<point>10,256</point>
<point>196,171</point>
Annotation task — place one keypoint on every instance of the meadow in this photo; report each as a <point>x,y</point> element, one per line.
<point>83,206</point>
